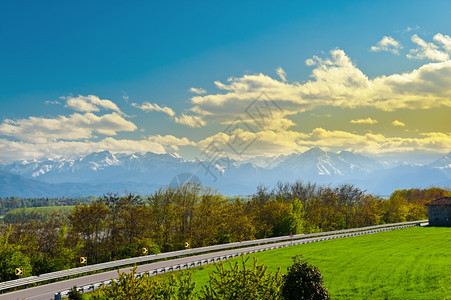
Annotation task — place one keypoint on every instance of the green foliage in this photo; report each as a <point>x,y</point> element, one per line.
<point>11,203</point>
<point>129,286</point>
<point>116,227</point>
<point>411,263</point>
<point>39,214</point>
<point>241,281</point>
<point>11,258</point>
<point>303,281</point>
<point>409,205</point>
<point>74,294</point>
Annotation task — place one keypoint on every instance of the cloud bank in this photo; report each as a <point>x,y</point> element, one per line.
<point>335,82</point>
<point>257,109</point>
<point>81,133</point>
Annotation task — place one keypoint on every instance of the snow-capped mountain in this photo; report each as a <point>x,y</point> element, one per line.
<point>100,166</point>
<point>442,163</point>
<point>326,165</point>
<point>102,172</point>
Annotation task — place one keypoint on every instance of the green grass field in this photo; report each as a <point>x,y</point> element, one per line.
<point>43,209</point>
<point>412,263</point>
<point>36,213</point>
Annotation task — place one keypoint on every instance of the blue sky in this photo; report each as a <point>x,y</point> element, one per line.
<point>367,76</point>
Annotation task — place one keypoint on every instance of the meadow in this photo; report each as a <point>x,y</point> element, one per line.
<point>412,263</point>
<point>20,215</point>
<point>43,209</point>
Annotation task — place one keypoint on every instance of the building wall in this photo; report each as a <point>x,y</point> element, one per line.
<point>439,215</point>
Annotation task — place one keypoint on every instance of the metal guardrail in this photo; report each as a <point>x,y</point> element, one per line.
<point>195,263</point>
<point>187,252</point>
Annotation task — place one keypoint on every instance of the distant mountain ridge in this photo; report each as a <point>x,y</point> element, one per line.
<point>102,172</point>
<point>324,163</point>
<point>442,163</point>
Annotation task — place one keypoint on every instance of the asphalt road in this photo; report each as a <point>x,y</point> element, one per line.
<point>47,291</point>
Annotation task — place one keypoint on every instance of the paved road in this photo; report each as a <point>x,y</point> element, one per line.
<point>46,292</point>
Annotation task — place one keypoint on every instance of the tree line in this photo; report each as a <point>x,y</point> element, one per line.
<point>114,227</point>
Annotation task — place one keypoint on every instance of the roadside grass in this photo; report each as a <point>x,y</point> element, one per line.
<point>411,263</point>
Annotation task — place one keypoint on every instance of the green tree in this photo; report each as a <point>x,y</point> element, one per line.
<point>11,258</point>
<point>239,223</point>
<point>209,224</point>
<point>88,224</point>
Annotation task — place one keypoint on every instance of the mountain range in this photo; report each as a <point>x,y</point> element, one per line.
<point>106,172</point>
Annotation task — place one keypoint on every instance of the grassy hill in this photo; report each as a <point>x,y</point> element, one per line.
<point>412,263</point>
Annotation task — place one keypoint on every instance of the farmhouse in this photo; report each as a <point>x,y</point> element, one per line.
<point>439,212</point>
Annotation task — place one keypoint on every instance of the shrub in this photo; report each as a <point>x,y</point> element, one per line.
<point>303,281</point>
<point>240,281</point>
<point>129,286</point>
<point>74,294</point>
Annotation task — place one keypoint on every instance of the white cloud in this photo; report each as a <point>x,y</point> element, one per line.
<point>146,106</point>
<point>171,141</point>
<point>428,50</point>
<point>191,121</point>
<point>409,29</point>
<point>445,40</point>
<point>90,103</point>
<point>335,81</point>
<point>387,43</point>
<point>281,74</point>
<point>75,127</point>
<point>364,121</point>
<point>242,144</point>
<point>23,150</point>
<point>125,96</point>
<point>198,91</point>
<point>398,123</point>
<point>271,143</point>
<point>264,143</point>
<point>52,102</point>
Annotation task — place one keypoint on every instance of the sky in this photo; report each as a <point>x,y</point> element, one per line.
<point>244,79</point>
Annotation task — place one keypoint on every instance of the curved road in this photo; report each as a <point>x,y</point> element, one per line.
<point>47,291</point>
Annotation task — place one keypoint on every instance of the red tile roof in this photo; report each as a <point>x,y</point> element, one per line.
<point>444,201</point>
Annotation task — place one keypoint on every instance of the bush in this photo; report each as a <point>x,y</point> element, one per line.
<point>74,294</point>
<point>303,281</point>
<point>131,287</point>
<point>241,281</point>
